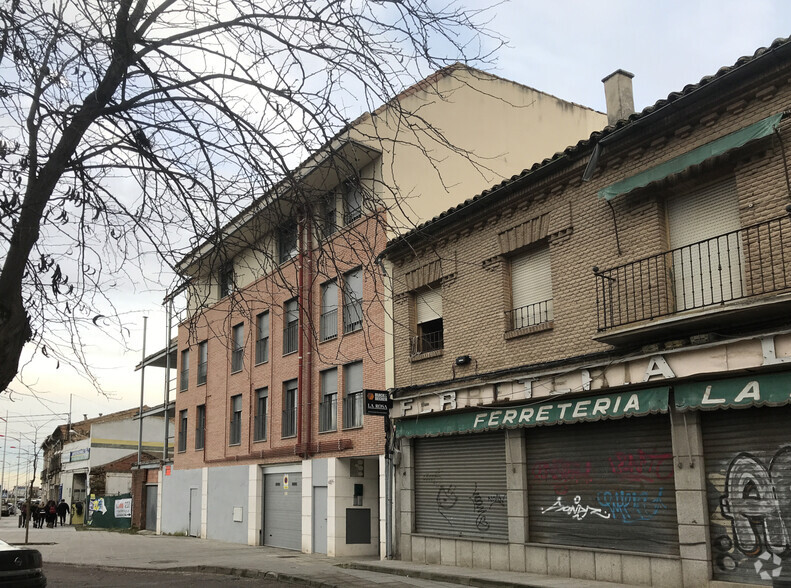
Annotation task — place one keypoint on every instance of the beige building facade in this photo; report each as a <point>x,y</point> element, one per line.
<point>288,315</point>
<point>593,359</point>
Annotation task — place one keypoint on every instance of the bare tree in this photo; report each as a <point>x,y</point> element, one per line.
<point>136,129</point>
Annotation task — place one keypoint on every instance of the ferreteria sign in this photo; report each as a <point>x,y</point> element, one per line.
<point>764,390</point>
<point>557,411</point>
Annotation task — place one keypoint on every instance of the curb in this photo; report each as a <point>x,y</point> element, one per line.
<point>462,580</point>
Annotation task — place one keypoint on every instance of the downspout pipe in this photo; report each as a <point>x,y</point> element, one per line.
<point>300,325</point>
<point>142,393</point>
<point>309,339</point>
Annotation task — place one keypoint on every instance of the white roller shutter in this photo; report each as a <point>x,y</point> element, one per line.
<point>429,305</point>
<point>706,261</point>
<point>531,284</point>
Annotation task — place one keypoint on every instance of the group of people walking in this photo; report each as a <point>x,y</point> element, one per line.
<point>50,513</point>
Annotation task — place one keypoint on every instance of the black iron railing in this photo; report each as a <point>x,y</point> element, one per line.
<point>426,342</point>
<point>328,413</point>
<point>259,427</point>
<point>202,369</point>
<point>290,338</point>
<point>353,410</point>
<point>184,379</point>
<point>329,325</point>
<point>289,425</point>
<point>237,359</point>
<point>747,262</point>
<point>262,350</point>
<point>353,316</point>
<point>530,315</point>
<point>235,432</point>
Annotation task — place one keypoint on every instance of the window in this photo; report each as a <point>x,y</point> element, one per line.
<point>329,310</point>
<point>531,289</point>
<point>235,433</point>
<point>225,279</point>
<point>261,400</point>
<point>289,423</point>
<point>290,327</point>
<point>328,407</point>
<point>237,354</point>
<point>185,370</point>
<point>353,395</point>
<point>428,312</point>
<point>329,218</point>
<point>287,241</point>
<point>200,426</point>
<point>352,202</point>
<point>353,301</point>
<point>183,430</point>
<point>203,361</point>
<point>262,338</point>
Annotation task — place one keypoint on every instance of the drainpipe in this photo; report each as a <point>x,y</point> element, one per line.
<point>169,309</point>
<point>142,390</point>
<point>309,339</point>
<point>300,326</point>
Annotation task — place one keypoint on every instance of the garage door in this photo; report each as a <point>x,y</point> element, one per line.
<point>283,510</point>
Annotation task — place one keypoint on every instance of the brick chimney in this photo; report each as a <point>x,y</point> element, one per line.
<point>618,94</point>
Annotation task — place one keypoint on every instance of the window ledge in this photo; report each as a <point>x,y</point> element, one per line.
<point>426,355</point>
<point>352,428</point>
<point>199,449</point>
<point>333,338</point>
<point>288,436</point>
<point>202,384</point>
<point>515,333</point>
<point>354,330</point>
<point>234,444</point>
<point>239,371</point>
<point>259,440</point>
<point>290,353</point>
<point>335,430</point>
<point>262,362</point>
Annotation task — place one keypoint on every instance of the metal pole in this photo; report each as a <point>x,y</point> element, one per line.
<point>169,310</point>
<point>5,444</point>
<point>142,389</point>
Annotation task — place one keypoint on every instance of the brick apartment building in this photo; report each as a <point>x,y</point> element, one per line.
<point>288,316</point>
<point>642,273</point>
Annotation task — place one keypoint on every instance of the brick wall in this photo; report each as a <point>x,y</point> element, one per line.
<point>476,282</point>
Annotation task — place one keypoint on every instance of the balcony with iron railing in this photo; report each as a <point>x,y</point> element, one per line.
<point>329,325</point>
<point>328,413</point>
<point>532,315</point>
<point>353,316</point>
<point>353,410</point>
<point>745,273</point>
<point>426,343</point>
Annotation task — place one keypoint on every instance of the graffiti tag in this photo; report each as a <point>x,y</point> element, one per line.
<point>563,473</point>
<point>642,466</point>
<point>576,511</point>
<point>630,506</point>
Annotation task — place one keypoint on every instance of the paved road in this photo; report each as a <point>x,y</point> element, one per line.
<point>61,575</point>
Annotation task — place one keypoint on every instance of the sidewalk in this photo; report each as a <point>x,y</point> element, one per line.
<point>143,551</point>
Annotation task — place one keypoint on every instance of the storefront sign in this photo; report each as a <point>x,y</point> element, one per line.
<point>377,402</point>
<point>80,454</point>
<point>123,508</point>
<point>769,389</point>
<point>561,410</point>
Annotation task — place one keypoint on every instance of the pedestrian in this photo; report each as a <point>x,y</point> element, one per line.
<point>35,515</point>
<point>22,515</point>
<point>63,508</point>
<point>52,514</point>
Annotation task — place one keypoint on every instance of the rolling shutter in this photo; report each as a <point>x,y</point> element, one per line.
<point>429,305</point>
<point>283,510</point>
<point>747,456</point>
<point>606,485</point>
<point>460,486</point>
<point>709,272</point>
<point>531,287</point>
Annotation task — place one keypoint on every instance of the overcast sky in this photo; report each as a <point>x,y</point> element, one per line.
<point>563,48</point>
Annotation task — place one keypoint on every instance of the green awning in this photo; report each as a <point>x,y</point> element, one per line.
<point>765,390</point>
<point>560,410</point>
<point>678,164</point>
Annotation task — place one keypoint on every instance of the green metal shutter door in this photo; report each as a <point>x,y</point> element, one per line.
<point>460,486</point>
<point>605,485</point>
<point>747,455</point>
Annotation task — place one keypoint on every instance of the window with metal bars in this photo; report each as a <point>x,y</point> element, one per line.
<point>183,430</point>
<point>288,241</point>
<point>235,430</point>
<point>329,311</point>
<point>328,407</point>
<point>261,406</point>
<point>352,201</point>
<point>237,354</point>
<point>289,421</point>
<point>353,301</point>
<point>353,395</point>
<point>203,361</point>
<point>200,426</point>
<point>262,338</point>
<point>290,327</point>
<point>184,377</point>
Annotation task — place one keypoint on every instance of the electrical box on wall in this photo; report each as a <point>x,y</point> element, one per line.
<point>358,495</point>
